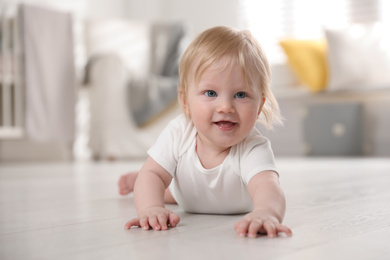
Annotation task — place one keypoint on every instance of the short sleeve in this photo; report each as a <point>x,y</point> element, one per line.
<point>165,151</point>
<point>256,156</point>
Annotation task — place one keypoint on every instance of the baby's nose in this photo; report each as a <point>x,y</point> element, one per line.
<point>225,106</point>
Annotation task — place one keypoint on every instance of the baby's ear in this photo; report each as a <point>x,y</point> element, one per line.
<point>183,102</point>
<point>261,105</point>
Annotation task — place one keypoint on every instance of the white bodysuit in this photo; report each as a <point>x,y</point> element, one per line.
<point>221,190</point>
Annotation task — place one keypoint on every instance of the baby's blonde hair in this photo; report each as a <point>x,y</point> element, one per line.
<point>241,48</point>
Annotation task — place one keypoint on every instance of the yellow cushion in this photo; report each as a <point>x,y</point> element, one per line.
<point>308,61</point>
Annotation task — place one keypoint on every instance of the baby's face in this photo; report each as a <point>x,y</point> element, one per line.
<point>222,107</point>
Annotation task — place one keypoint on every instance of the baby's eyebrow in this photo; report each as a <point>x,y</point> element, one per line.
<point>207,85</point>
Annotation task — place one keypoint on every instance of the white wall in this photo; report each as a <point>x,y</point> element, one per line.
<point>106,8</point>
<point>84,8</point>
<point>200,14</point>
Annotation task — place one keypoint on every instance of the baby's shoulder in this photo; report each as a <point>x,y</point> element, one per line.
<point>254,146</point>
<point>178,121</point>
<point>183,132</point>
<point>254,155</point>
<point>255,138</point>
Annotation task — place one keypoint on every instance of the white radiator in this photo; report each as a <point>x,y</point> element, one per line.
<point>11,80</point>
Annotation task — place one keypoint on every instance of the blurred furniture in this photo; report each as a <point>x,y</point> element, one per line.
<point>333,129</point>
<point>291,140</point>
<point>37,83</point>
<point>132,78</point>
<point>348,66</point>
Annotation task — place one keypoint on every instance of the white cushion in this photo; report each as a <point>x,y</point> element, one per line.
<point>358,57</point>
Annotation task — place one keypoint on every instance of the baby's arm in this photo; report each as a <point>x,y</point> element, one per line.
<point>269,207</point>
<point>149,190</point>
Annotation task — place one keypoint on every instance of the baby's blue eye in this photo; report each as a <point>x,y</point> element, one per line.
<point>240,95</point>
<point>210,93</point>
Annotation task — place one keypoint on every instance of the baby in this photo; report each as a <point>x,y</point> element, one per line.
<point>212,159</point>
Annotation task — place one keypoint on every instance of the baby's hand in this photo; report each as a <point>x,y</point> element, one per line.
<point>157,218</point>
<point>260,221</point>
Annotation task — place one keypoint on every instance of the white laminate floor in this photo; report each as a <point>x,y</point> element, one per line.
<point>337,209</point>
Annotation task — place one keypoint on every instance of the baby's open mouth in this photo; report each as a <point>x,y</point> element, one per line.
<point>225,125</point>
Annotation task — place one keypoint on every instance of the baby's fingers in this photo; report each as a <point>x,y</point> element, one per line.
<point>162,219</point>
<point>254,227</point>
<point>154,223</point>
<point>135,222</point>
<point>144,223</point>
<point>283,229</point>
<point>241,227</point>
<point>270,228</point>
<point>173,219</point>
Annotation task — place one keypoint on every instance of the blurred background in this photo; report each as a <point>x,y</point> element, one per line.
<point>97,79</point>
